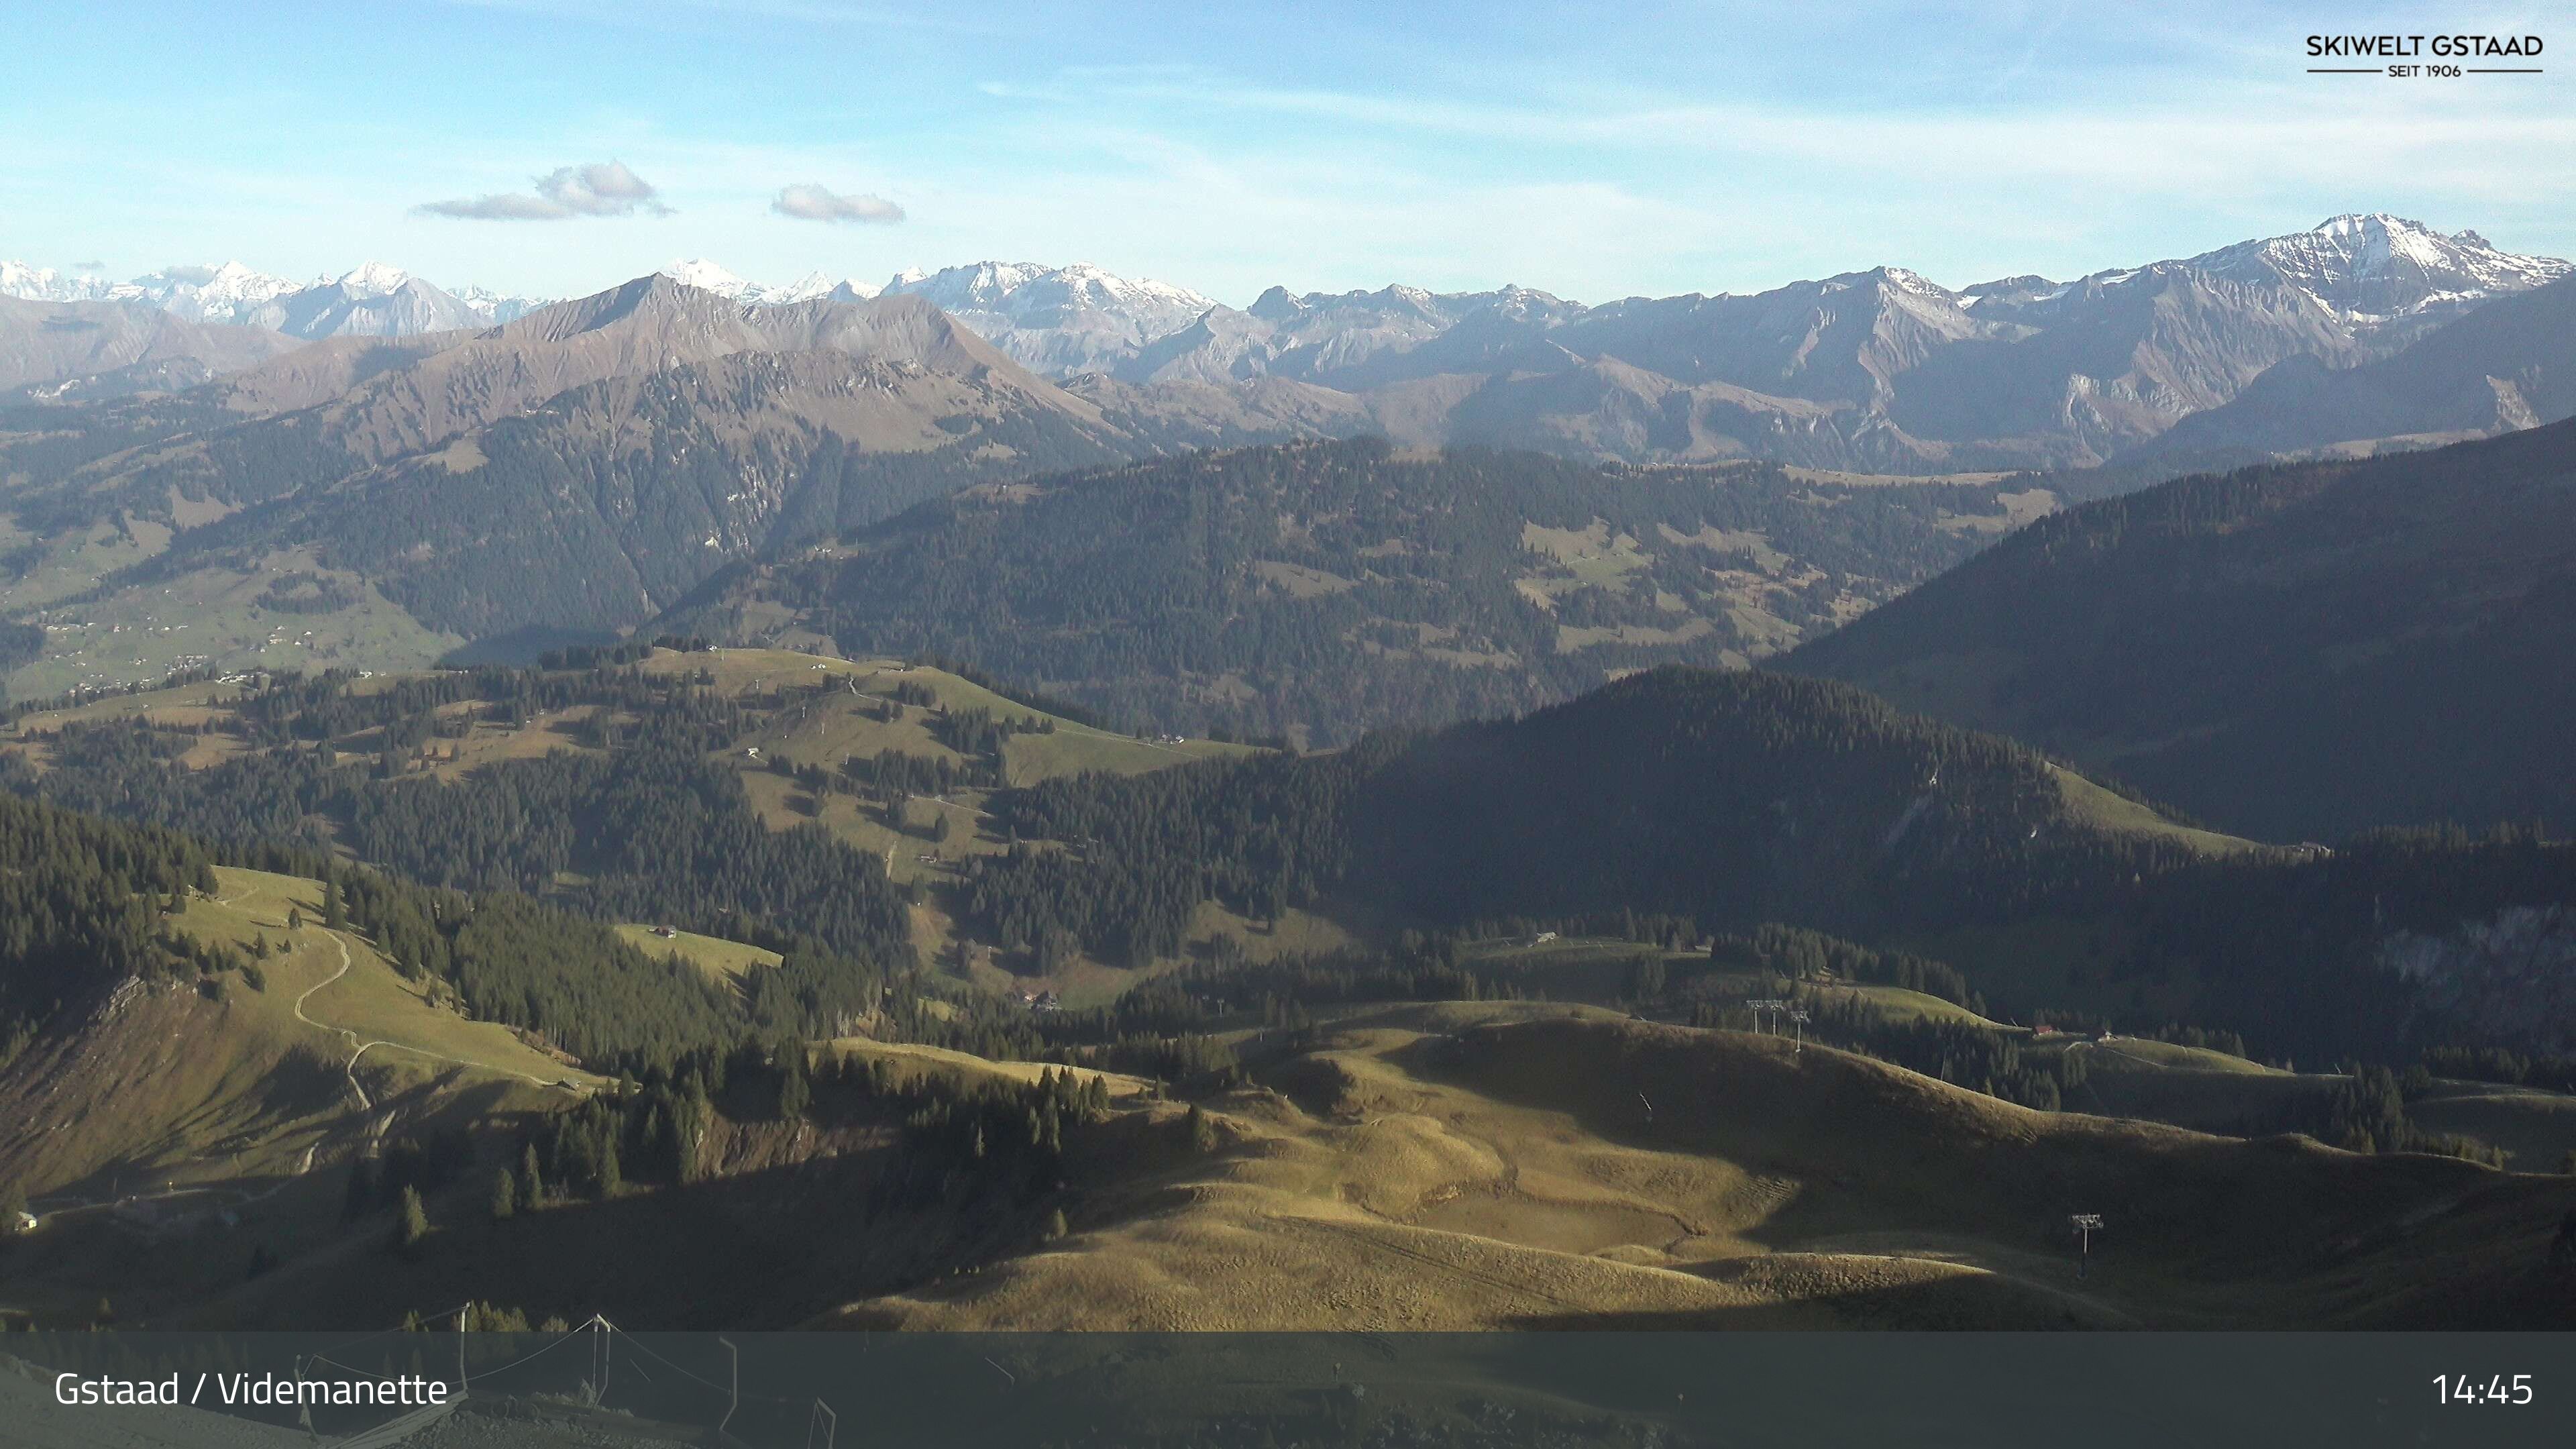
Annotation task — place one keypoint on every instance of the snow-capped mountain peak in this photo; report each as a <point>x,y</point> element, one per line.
<point>2375,265</point>
<point>497,307</point>
<point>707,276</point>
<point>817,285</point>
<point>45,284</point>
<point>820,284</point>
<point>1056,319</point>
<point>1018,287</point>
<point>230,282</point>
<point>372,279</point>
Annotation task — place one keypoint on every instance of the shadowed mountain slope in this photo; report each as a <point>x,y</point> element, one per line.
<point>2295,651</point>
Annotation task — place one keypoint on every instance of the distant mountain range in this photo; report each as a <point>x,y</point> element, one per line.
<point>1879,371</point>
<point>373,300</point>
<point>578,469</point>
<point>590,465</point>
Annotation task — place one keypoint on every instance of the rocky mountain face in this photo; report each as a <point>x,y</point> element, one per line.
<point>2511,976</point>
<point>322,412</point>
<point>1881,370</point>
<point>386,399</point>
<point>1875,371</point>
<point>2508,365</point>
<point>2386,275</point>
<point>59,352</point>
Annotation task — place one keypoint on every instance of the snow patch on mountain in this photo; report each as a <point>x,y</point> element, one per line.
<point>2374,268</point>
<point>1058,320</point>
<point>45,284</point>
<point>709,276</point>
<point>220,293</point>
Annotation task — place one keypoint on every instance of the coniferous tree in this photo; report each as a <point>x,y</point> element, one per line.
<point>794,1092</point>
<point>411,1223</point>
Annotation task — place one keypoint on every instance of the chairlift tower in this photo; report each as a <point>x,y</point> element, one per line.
<point>2086,1225</point>
<point>1798,1017</point>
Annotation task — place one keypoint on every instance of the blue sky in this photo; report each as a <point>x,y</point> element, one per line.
<point>1594,151</point>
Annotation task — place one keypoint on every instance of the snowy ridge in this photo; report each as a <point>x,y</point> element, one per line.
<point>44,284</point>
<point>205,294</point>
<point>2376,279</point>
<point>708,276</point>
<point>2371,266</point>
<point>1056,319</point>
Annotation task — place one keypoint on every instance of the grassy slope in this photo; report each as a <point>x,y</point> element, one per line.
<point>1594,969</point>
<point>197,1083</point>
<point>138,1131</point>
<point>2130,1077</point>
<point>1497,1164</point>
<point>1463,1165</point>
<point>2117,814</point>
<point>2537,1127</point>
<point>829,732</point>
<point>719,959</point>
<point>212,617</point>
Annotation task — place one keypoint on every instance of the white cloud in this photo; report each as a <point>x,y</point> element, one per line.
<point>814,203</point>
<point>599,188</point>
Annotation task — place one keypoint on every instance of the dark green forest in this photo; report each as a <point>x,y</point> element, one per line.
<point>1732,798</point>
<point>2294,651</point>
<point>81,909</point>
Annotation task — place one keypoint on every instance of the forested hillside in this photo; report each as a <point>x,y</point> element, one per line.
<point>80,911</point>
<point>1726,800</point>
<point>1322,589</point>
<point>2297,651</point>
<point>656,830</point>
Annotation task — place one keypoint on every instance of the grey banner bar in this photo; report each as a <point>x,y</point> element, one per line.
<point>601,1386</point>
